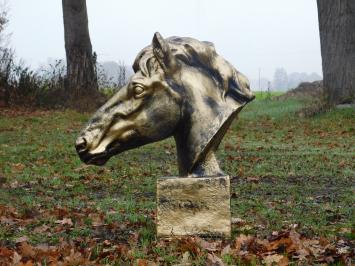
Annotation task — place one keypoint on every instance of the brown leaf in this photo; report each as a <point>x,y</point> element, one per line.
<point>213,260</point>
<point>185,258</point>
<point>209,246</point>
<point>286,241</point>
<point>238,221</point>
<point>276,259</point>
<point>324,242</point>
<point>97,219</point>
<point>5,220</point>
<point>65,221</point>
<point>226,250</point>
<point>253,179</point>
<point>141,262</point>
<point>282,243</point>
<point>16,258</point>
<point>122,250</point>
<point>75,258</point>
<point>5,252</point>
<point>26,250</point>
<point>106,243</point>
<point>21,239</point>
<point>301,254</point>
<point>41,229</point>
<point>133,239</point>
<point>189,244</point>
<point>342,164</point>
<point>50,253</point>
<point>242,242</point>
<point>296,241</point>
<point>18,167</point>
<point>14,184</point>
<point>27,263</point>
<point>3,180</point>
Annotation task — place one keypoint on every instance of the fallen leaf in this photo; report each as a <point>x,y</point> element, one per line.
<point>18,167</point>
<point>242,242</point>
<point>21,239</point>
<point>5,252</point>
<point>106,242</point>
<point>75,258</point>
<point>185,259</point>
<point>41,229</point>
<point>122,250</point>
<point>14,184</point>
<point>342,164</point>
<point>3,180</point>
<point>189,244</point>
<point>226,250</point>
<point>97,219</point>
<point>213,260</point>
<point>141,262</point>
<point>209,246</point>
<point>65,221</point>
<point>253,179</point>
<point>5,220</point>
<point>26,250</point>
<point>301,254</point>
<point>238,221</point>
<point>16,258</point>
<point>279,260</point>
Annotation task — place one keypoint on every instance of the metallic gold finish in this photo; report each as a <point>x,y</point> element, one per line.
<point>181,88</point>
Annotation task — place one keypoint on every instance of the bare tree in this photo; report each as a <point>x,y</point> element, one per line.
<point>280,81</point>
<point>6,56</point>
<point>121,75</point>
<point>81,62</point>
<point>337,35</point>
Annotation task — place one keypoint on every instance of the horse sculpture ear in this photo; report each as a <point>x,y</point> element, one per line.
<point>163,53</point>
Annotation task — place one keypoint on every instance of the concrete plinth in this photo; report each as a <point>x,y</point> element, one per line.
<point>193,206</point>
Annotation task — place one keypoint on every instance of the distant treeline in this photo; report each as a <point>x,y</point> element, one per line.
<point>283,81</point>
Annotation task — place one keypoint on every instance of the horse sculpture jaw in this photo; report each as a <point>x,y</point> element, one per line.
<point>114,148</point>
<point>97,158</point>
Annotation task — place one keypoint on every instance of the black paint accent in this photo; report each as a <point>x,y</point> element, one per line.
<point>236,93</point>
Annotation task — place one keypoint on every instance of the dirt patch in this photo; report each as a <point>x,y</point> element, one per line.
<point>306,90</point>
<point>18,111</point>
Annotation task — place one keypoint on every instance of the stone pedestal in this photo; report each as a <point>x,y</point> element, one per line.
<point>193,206</point>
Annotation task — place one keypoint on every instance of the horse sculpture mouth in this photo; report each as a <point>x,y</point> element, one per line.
<point>112,149</point>
<point>102,157</point>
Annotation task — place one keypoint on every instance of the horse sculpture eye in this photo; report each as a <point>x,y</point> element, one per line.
<point>138,90</point>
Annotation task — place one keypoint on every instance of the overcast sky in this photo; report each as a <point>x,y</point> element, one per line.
<point>251,34</point>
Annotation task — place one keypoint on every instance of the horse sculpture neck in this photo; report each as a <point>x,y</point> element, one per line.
<point>207,167</point>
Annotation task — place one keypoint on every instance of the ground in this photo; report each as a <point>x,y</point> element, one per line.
<point>290,175</point>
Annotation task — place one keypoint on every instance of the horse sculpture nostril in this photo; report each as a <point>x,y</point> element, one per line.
<point>81,145</point>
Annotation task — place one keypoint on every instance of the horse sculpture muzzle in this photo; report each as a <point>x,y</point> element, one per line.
<point>86,157</point>
<point>96,144</point>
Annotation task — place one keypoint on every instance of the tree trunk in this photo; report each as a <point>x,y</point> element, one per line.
<point>81,80</point>
<point>337,36</point>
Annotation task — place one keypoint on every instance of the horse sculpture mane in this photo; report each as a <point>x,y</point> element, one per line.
<point>201,55</point>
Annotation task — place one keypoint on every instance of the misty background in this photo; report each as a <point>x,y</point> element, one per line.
<point>275,43</point>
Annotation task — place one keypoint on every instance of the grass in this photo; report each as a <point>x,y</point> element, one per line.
<point>286,171</point>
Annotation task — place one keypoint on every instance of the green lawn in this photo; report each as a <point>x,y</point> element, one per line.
<point>286,172</point>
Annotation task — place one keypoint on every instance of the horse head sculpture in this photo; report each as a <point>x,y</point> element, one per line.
<point>181,88</point>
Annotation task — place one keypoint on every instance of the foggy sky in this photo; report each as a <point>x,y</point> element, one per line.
<point>251,34</point>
